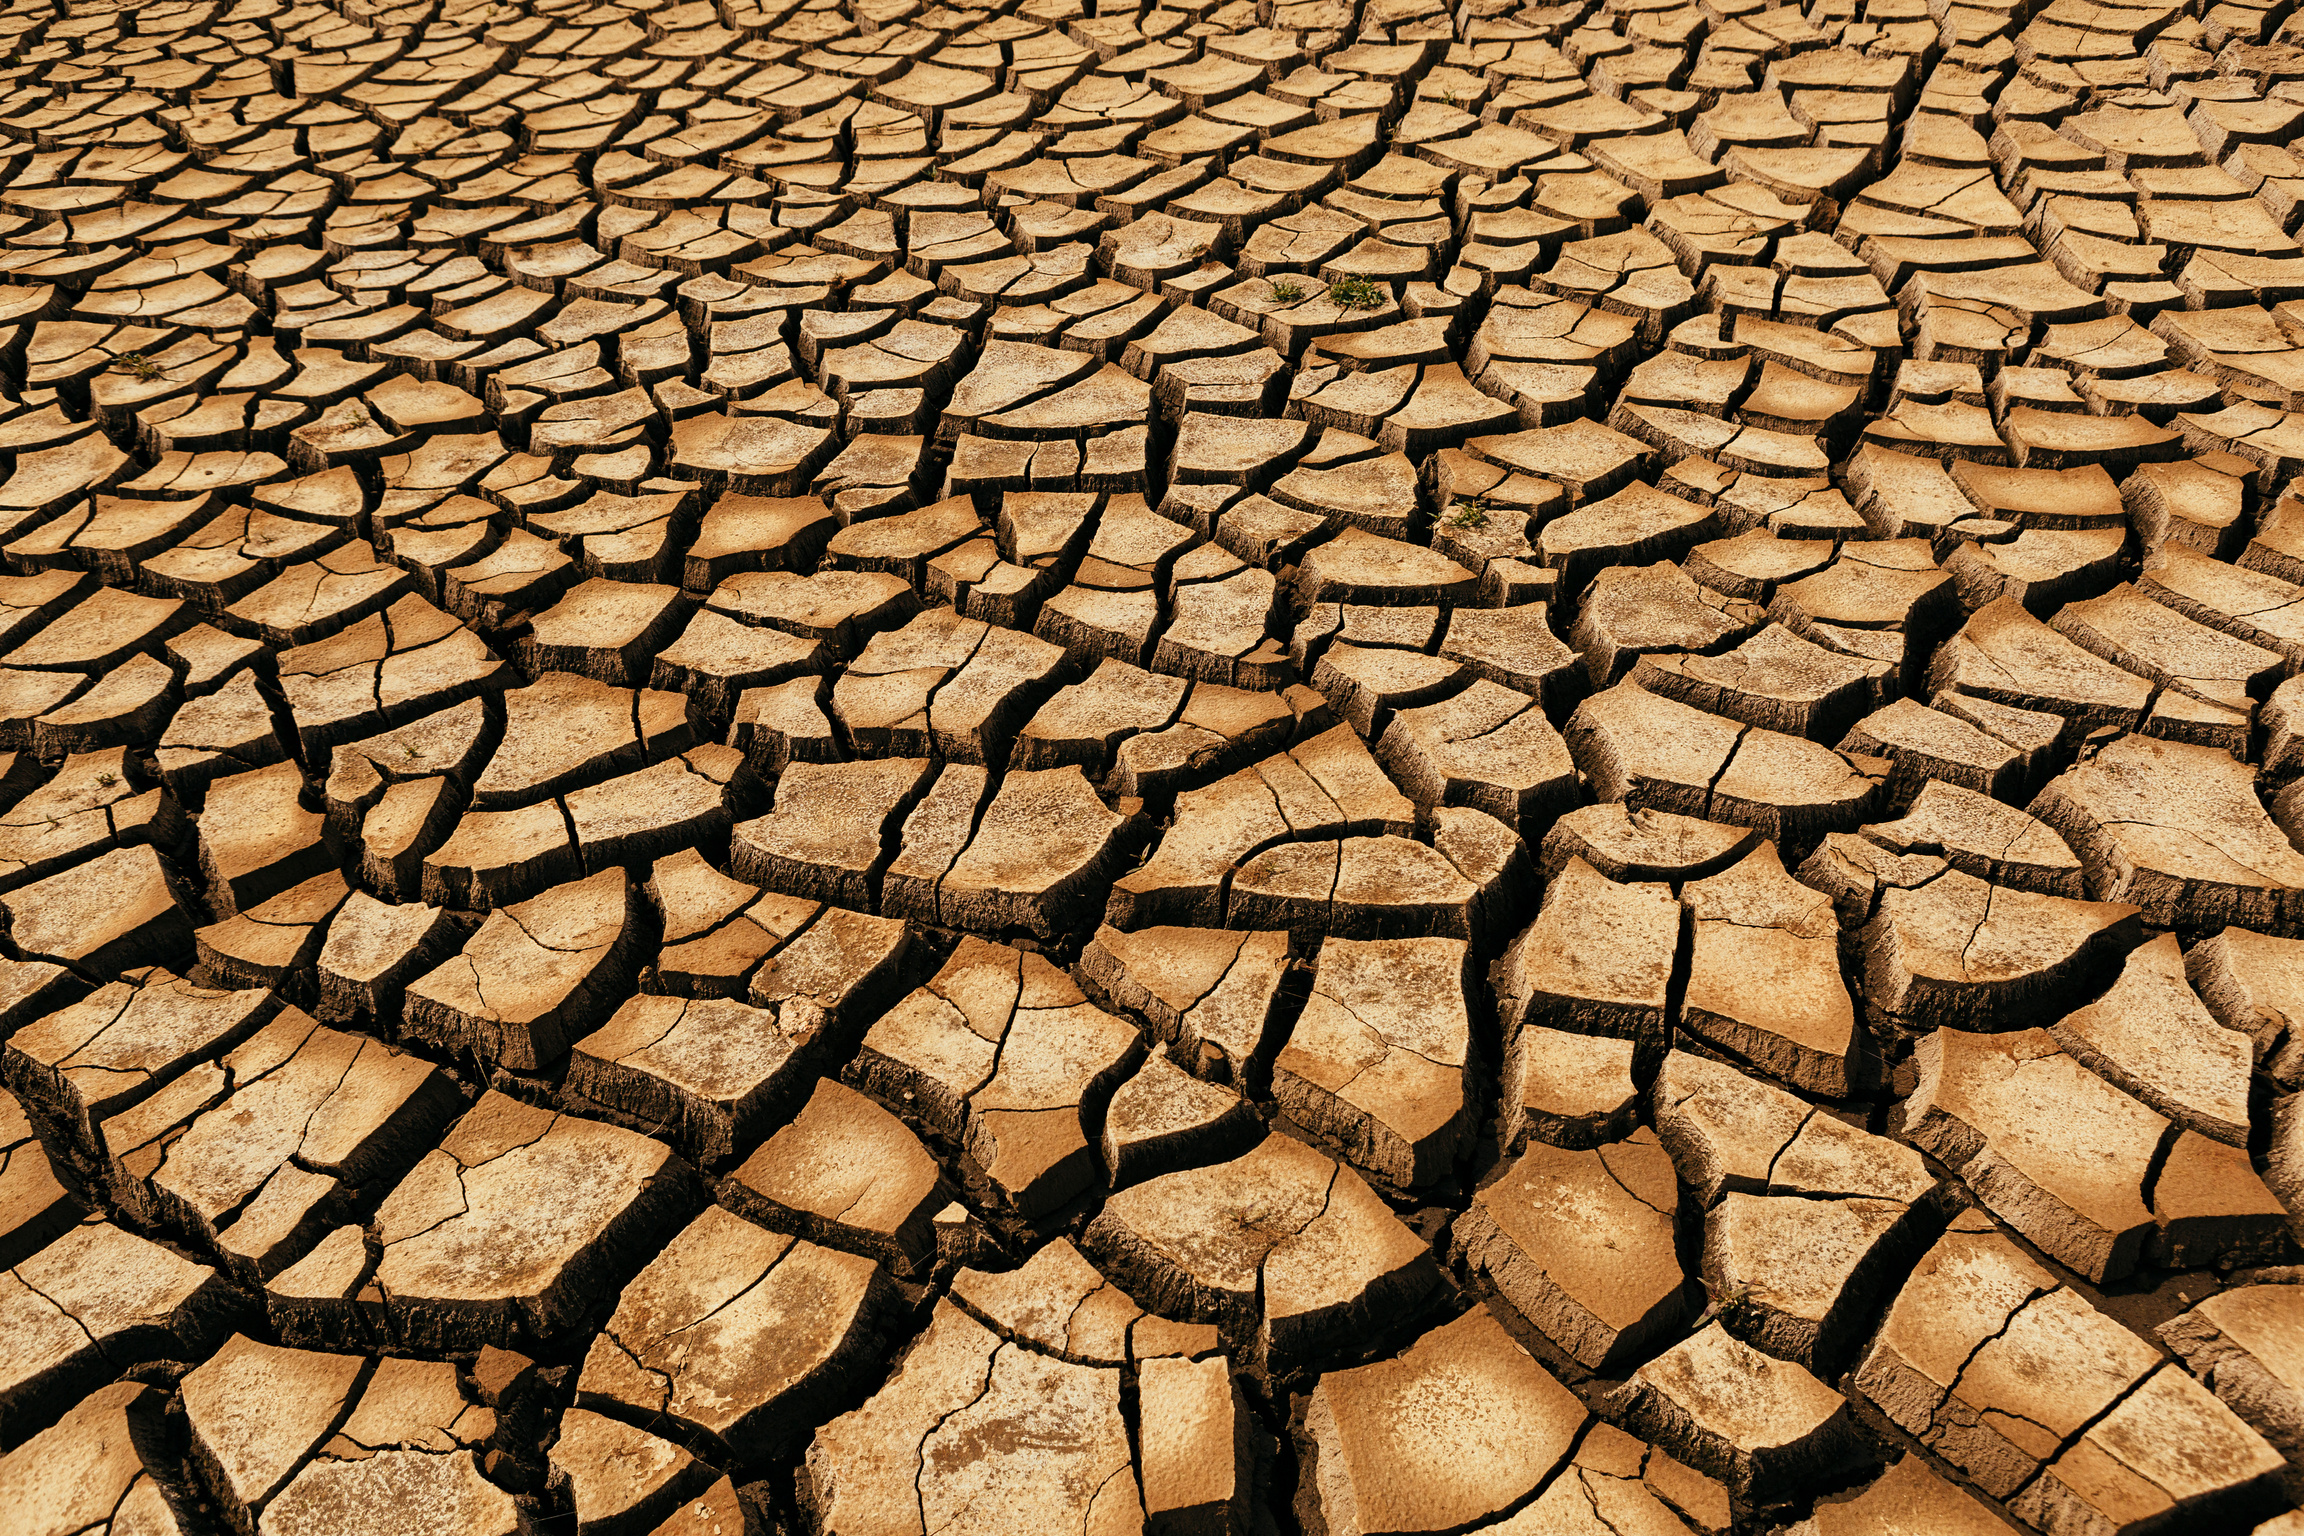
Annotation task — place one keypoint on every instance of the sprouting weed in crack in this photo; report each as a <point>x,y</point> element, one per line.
<point>1470,512</point>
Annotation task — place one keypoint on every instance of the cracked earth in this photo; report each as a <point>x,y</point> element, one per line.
<point>1203,767</point>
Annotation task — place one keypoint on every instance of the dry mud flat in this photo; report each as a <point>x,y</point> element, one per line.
<point>1232,768</point>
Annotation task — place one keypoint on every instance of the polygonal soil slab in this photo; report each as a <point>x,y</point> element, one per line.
<point>1581,1245</point>
<point>1281,1247</point>
<point>1326,787</point>
<point>534,975</point>
<point>1457,1430</point>
<point>1001,1052</point>
<point>255,1151</point>
<point>260,1421</point>
<point>2065,1157</point>
<point>94,1301</point>
<point>97,1469</point>
<point>1761,1426</point>
<point>516,1222</point>
<point>968,1424</point>
<point>1376,1061</point>
<point>1210,995</point>
<point>846,1173</point>
<point>731,1332</point>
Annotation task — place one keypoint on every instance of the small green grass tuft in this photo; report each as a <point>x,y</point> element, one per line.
<point>1358,293</point>
<point>138,364</point>
<point>1287,290</point>
<point>1726,1302</point>
<point>1471,512</point>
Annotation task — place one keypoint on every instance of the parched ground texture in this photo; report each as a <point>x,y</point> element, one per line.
<point>1209,767</point>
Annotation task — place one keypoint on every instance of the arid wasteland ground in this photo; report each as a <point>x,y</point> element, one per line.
<point>1240,768</point>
